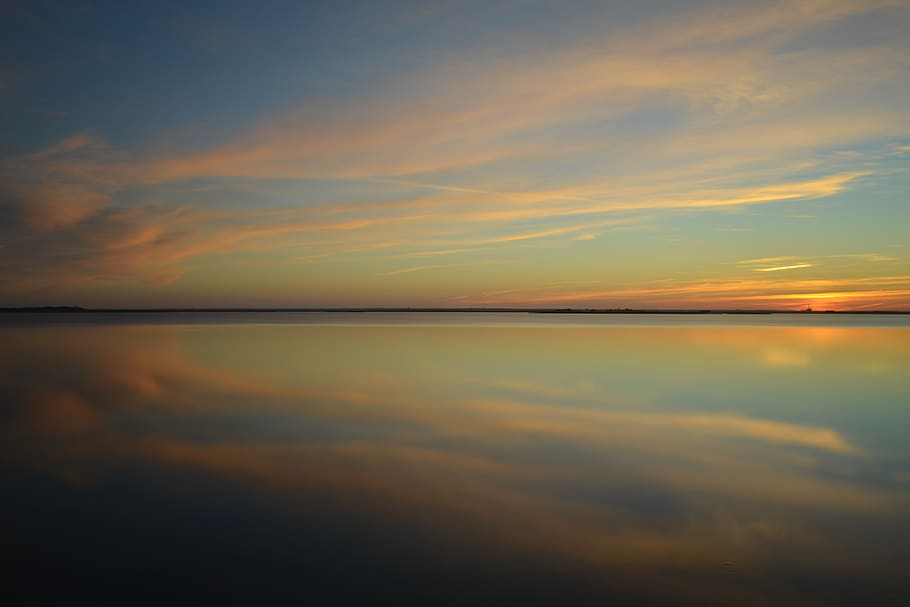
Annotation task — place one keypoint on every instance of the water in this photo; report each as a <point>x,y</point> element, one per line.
<point>506,459</point>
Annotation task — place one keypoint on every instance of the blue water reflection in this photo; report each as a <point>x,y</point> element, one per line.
<point>457,463</point>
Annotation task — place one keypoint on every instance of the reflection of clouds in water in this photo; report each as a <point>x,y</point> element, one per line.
<point>878,367</point>
<point>785,357</point>
<point>60,414</point>
<point>609,490</point>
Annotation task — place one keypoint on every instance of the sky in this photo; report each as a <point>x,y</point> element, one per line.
<point>649,154</point>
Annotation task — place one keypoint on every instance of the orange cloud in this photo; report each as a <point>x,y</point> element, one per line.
<point>488,142</point>
<point>719,293</point>
<point>45,207</point>
<point>779,268</point>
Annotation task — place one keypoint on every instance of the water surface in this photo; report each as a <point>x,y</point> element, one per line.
<point>457,459</point>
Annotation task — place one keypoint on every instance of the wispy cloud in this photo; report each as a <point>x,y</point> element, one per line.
<point>572,139</point>
<point>760,260</point>
<point>812,260</point>
<point>445,265</point>
<point>790,267</point>
<point>890,290</point>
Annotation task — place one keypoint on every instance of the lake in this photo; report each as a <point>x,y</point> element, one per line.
<point>445,458</point>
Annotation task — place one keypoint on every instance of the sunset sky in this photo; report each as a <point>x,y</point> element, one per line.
<point>659,154</point>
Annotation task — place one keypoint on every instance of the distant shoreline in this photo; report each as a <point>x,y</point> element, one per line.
<point>81,310</point>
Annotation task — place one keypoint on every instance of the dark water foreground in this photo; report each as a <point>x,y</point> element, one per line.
<point>479,461</point>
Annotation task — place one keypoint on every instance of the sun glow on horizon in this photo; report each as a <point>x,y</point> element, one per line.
<point>661,155</point>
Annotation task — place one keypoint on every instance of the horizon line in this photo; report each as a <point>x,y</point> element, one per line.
<point>436,309</point>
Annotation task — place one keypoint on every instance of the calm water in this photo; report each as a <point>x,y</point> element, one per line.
<point>456,459</point>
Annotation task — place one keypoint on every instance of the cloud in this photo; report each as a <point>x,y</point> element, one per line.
<point>767,260</point>
<point>458,113</point>
<point>864,257</point>
<point>808,261</point>
<point>841,293</point>
<point>73,143</point>
<point>45,207</point>
<point>459,155</point>
<point>443,265</point>
<point>58,186</point>
<point>790,267</point>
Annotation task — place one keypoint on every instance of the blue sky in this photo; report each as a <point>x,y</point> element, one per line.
<point>654,154</point>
